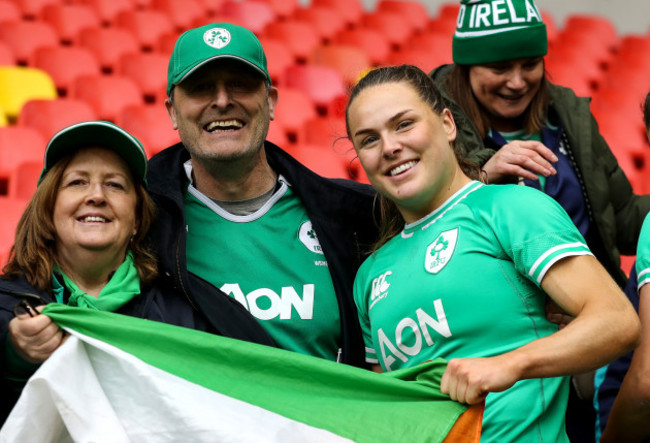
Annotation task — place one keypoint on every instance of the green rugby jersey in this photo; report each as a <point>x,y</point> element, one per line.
<point>272,263</point>
<point>464,281</point>
<point>643,254</point>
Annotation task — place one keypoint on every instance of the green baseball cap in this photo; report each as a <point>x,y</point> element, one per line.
<point>489,31</point>
<point>96,133</point>
<point>198,46</point>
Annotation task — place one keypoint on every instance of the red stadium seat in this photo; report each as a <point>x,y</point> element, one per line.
<point>148,71</point>
<point>11,210</point>
<point>322,84</point>
<point>31,9</point>
<point>278,135</point>
<point>322,161</point>
<point>167,42</point>
<point>252,14</point>
<point>23,180</point>
<point>299,37</point>
<point>17,145</point>
<point>283,8</point>
<point>69,20</point>
<point>211,6</point>
<point>630,50</point>
<point>24,37</point>
<point>182,13</point>
<point>325,20</point>
<point>294,108</point>
<point>439,44</point>
<point>586,47</point>
<point>329,133</point>
<point>372,42</point>
<point>49,116</point>
<point>591,26</point>
<point>581,78</point>
<point>422,57</point>
<point>448,11</point>
<point>146,25</point>
<point>279,58</point>
<point>351,11</point>
<point>397,28</point>
<point>108,10</point>
<point>350,62</point>
<point>7,56</point>
<point>151,125</point>
<point>9,11</point>
<point>445,19</point>
<point>413,11</point>
<point>65,64</point>
<point>109,44</point>
<point>108,95</point>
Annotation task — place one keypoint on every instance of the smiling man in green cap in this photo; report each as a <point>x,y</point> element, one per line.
<point>235,211</point>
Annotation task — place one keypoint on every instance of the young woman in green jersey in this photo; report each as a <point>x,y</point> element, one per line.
<point>463,269</point>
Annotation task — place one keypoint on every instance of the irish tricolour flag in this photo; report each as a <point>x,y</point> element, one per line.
<point>120,379</point>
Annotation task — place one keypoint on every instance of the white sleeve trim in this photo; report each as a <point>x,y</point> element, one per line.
<point>549,252</point>
<point>543,272</point>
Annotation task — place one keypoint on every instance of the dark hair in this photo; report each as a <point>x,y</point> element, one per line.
<point>34,252</point>
<point>459,89</point>
<point>392,222</point>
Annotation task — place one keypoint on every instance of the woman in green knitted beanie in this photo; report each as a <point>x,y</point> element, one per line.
<point>521,128</point>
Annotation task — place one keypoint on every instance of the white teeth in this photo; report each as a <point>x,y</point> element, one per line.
<point>94,219</point>
<point>230,124</point>
<point>401,168</point>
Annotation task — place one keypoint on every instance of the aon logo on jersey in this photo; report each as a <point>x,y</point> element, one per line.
<point>266,304</point>
<point>414,330</point>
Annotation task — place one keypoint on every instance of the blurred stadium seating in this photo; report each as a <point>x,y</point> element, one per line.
<point>62,61</point>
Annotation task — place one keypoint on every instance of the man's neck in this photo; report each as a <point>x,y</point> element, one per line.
<point>231,182</point>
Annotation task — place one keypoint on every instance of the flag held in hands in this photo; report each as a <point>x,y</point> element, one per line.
<point>120,378</point>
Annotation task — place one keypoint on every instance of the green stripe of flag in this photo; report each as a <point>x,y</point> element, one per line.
<point>351,402</point>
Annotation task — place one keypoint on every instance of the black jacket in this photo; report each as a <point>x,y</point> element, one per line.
<point>341,212</point>
<point>157,302</point>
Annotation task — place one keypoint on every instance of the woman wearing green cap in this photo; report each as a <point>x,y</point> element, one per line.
<point>81,241</point>
<point>521,128</point>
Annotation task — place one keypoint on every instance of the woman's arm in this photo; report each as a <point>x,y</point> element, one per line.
<point>605,327</point>
<point>629,419</point>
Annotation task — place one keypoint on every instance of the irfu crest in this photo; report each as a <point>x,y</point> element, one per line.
<point>440,251</point>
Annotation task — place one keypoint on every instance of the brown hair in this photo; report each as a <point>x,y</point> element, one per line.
<point>459,89</point>
<point>392,222</point>
<point>34,252</point>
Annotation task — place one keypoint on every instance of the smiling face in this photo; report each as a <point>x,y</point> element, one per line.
<point>405,147</point>
<point>506,89</point>
<point>95,207</point>
<point>222,111</point>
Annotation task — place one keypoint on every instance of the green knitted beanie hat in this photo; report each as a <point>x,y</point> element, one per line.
<point>489,31</point>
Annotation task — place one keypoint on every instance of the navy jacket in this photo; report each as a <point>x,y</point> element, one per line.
<point>157,302</point>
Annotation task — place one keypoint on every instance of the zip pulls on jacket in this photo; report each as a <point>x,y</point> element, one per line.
<point>26,307</point>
